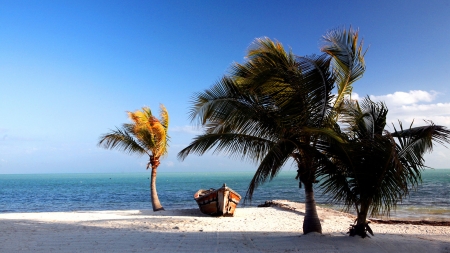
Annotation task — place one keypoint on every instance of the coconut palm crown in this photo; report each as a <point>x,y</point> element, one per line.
<point>373,169</point>
<point>145,135</point>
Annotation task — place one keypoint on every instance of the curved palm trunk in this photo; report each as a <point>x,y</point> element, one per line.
<point>153,194</point>
<point>311,222</point>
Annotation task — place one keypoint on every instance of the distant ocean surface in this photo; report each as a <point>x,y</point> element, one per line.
<point>130,191</point>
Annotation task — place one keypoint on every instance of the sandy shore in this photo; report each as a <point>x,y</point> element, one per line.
<point>255,229</point>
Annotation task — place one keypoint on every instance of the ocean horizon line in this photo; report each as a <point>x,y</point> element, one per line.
<point>167,172</point>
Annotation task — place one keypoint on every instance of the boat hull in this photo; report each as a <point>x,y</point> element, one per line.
<point>220,202</point>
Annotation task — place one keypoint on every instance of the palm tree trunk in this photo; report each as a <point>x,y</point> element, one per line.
<point>362,225</point>
<point>153,194</point>
<point>311,222</point>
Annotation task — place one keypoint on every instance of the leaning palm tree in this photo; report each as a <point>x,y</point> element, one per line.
<point>146,135</point>
<point>373,169</point>
<point>273,108</point>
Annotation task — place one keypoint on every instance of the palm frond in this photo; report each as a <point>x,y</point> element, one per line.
<point>372,168</point>
<point>270,166</point>
<point>145,134</point>
<point>209,105</point>
<point>432,132</point>
<point>413,143</point>
<point>347,59</point>
<point>121,139</point>
<point>317,83</point>
<point>234,145</point>
<point>164,117</point>
<point>227,109</point>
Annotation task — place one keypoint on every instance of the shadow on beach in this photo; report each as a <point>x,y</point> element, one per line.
<point>34,236</point>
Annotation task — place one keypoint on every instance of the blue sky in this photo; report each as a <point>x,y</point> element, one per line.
<point>69,70</point>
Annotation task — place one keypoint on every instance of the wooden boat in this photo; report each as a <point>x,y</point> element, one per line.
<point>220,202</point>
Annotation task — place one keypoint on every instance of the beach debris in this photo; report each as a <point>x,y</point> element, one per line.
<point>412,222</point>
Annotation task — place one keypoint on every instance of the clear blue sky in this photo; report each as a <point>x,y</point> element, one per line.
<point>70,69</point>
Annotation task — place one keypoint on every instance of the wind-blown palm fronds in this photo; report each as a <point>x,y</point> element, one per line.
<point>374,169</point>
<point>146,135</point>
<point>274,107</point>
<point>265,112</point>
<point>347,59</point>
<point>121,139</point>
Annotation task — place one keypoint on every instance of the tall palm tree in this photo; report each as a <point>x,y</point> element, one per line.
<point>272,108</point>
<point>146,135</point>
<point>373,168</point>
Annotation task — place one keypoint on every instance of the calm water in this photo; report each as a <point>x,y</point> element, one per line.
<point>76,192</point>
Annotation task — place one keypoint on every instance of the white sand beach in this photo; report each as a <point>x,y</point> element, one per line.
<point>254,229</point>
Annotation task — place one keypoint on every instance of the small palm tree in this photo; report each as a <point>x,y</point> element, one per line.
<point>373,169</point>
<point>146,135</point>
<point>275,107</point>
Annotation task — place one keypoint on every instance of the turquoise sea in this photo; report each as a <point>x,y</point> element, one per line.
<point>130,191</point>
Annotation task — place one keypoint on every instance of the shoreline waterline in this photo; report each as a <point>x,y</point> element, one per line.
<point>125,191</point>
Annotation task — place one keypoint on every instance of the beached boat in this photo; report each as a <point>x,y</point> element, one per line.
<point>220,202</point>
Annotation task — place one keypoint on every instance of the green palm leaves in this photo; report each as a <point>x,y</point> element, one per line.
<point>347,59</point>
<point>264,110</point>
<point>277,106</point>
<point>374,168</point>
<point>272,108</point>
